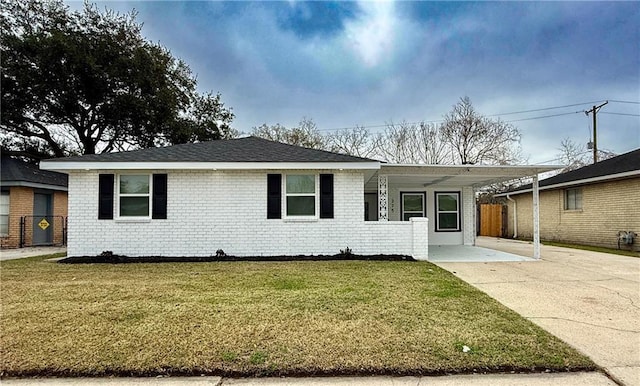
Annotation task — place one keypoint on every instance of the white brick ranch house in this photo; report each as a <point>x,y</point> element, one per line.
<point>254,197</point>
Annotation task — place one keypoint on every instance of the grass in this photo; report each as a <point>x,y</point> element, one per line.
<point>260,318</point>
<point>593,248</point>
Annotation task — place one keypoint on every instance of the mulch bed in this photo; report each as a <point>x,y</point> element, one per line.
<point>119,259</point>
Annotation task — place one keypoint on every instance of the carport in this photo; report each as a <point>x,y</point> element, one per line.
<point>391,181</point>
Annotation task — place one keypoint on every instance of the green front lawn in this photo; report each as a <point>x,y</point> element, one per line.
<point>593,248</point>
<point>259,318</point>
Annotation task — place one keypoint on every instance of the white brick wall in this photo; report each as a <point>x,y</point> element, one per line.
<point>211,210</point>
<point>469,215</point>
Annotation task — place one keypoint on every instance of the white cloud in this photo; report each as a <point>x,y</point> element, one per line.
<point>373,35</point>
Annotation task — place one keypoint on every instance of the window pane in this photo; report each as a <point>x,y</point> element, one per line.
<point>134,206</point>
<point>4,224</point>
<point>412,202</point>
<point>134,184</point>
<point>448,202</point>
<point>301,184</point>
<point>301,206</point>
<point>4,213</point>
<point>573,199</point>
<point>447,221</point>
<point>578,204</point>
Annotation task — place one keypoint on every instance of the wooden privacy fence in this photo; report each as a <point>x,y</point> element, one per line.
<point>493,220</point>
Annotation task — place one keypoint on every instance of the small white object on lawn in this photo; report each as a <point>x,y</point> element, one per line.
<point>466,348</point>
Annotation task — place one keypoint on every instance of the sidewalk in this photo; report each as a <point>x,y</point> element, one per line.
<point>557,379</point>
<point>21,253</point>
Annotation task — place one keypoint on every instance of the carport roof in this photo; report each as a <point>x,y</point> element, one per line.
<point>458,175</point>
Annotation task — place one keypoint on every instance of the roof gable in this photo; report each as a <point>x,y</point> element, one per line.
<point>248,149</point>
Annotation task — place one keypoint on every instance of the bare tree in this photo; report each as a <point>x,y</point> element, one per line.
<point>572,155</point>
<point>305,135</point>
<point>474,138</point>
<point>412,143</point>
<point>356,142</point>
<point>433,145</point>
<point>397,143</point>
<point>575,156</point>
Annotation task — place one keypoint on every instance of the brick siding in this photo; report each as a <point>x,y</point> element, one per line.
<point>211,210</point>
<point>21,204</point>
<point>607,208</point>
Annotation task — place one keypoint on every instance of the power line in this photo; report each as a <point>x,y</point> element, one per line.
<point>632,102</point>
<point>502,114</point>
<point>377,126</point>
<point>630,115</point>
<point>544,108</point>
<point>544,116</point>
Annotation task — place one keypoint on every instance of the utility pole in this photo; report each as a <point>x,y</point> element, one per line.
<point>594,110</point>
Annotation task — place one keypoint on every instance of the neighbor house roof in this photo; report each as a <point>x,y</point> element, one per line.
<point>623,166</point>
<point>15,172</point>
<point>239,153</point>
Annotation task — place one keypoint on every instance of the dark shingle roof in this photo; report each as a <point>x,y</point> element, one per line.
<point>17,172</point>
<point>249,149</point>
<point>626,162</point>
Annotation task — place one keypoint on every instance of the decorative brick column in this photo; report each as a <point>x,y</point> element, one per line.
<point>383,210</point>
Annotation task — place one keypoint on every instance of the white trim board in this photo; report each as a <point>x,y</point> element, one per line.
<point>62,166</point>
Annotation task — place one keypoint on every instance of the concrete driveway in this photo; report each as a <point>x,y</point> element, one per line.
<point>21,253</point>
<point>590,300</point>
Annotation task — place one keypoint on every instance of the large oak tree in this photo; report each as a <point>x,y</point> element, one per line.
<point>86,82</point>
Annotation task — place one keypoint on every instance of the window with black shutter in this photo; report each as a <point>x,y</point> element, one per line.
<point>274,196</point>
<point>105,196</point>
<point>159,205</point>
<point>326,195</point>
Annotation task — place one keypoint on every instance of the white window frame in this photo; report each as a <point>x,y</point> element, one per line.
<point>457,212</point>
<point>148,195</point>
<point>577,192</point>
<point>316,194</point>
<point>8,196</point>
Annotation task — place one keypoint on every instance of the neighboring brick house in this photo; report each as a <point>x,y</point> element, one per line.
<point>28,196</point>
<point>590,206</point>
<point>253,197</point>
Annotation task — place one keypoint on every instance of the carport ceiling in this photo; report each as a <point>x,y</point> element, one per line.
<point>453,175</point>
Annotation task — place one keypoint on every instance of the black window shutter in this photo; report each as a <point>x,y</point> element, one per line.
<point>274,195</point>
<point>159,205</point>
<point>105,196</point>
<point>326,195</point>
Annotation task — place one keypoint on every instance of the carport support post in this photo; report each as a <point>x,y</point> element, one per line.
<point>536,218</point>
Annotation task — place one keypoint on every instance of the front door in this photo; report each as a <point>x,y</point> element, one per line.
<point>413,204</point>
<point>42,219</point>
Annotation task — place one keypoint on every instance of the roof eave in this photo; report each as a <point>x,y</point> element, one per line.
<point>67,166</point>
<point>35,185</point>
<point>583,181</point>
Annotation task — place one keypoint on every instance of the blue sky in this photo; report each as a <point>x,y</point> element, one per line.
<point>368,63</point>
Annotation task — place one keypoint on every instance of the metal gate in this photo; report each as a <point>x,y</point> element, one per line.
<point>43,230</point>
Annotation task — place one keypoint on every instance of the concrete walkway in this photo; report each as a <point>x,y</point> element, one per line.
<point>21,253</point>
<point>588,299</point>
<point>562,379</point>
<point>470,254</point>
